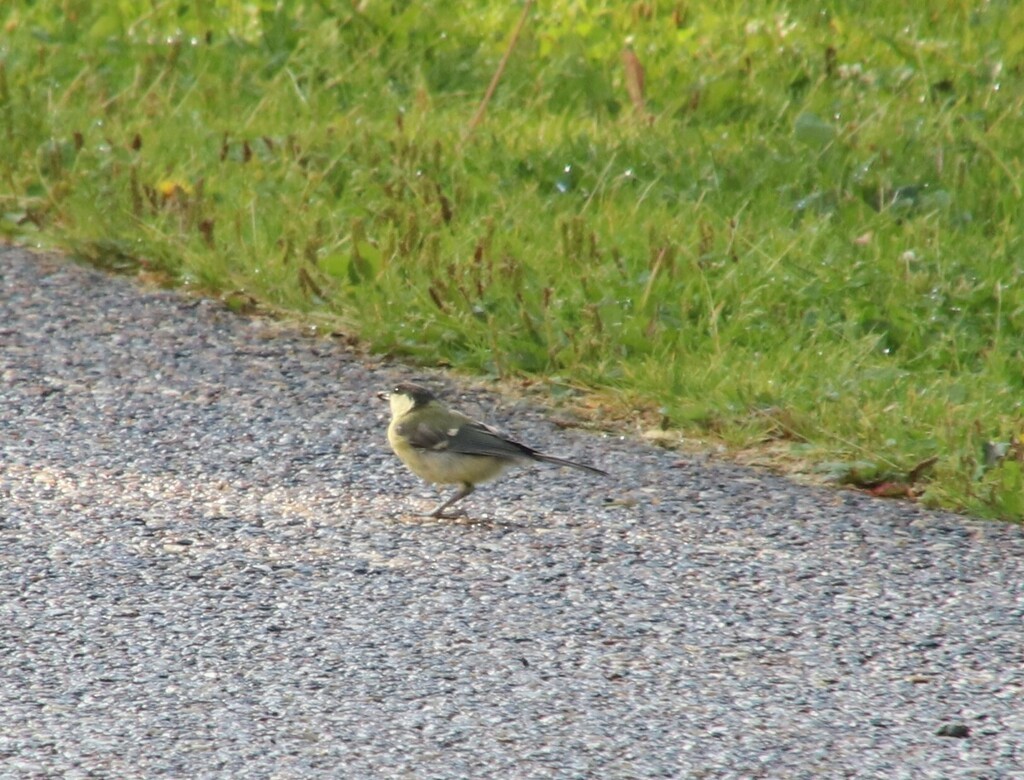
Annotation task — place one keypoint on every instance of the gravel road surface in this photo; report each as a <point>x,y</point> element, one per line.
<point>209,567</point>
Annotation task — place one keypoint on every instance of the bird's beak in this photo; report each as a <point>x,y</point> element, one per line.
<point>384,396</point>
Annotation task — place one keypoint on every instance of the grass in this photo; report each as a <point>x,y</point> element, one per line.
<point>798,233</point>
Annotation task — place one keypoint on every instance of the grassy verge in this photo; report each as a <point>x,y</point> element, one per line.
<point>798,232</point>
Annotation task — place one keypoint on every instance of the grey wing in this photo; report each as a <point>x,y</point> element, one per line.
<point>425,437</point>
<point>474,438</point>
<point>468,438</point>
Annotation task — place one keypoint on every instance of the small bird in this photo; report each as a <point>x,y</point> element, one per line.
<point>446,447</point>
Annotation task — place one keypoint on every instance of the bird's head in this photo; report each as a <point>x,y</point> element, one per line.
<point>406,396</point>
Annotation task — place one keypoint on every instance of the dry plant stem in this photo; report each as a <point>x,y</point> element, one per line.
<point>482,108</point>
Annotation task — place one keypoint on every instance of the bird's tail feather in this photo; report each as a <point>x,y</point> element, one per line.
<point>570,463</point>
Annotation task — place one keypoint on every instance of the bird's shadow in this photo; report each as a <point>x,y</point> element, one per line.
<point>460,518</point>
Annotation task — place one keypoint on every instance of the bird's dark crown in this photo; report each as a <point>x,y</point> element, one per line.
<point>418,393</point>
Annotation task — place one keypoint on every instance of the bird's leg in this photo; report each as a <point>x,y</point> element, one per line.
<point>460,494</point>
